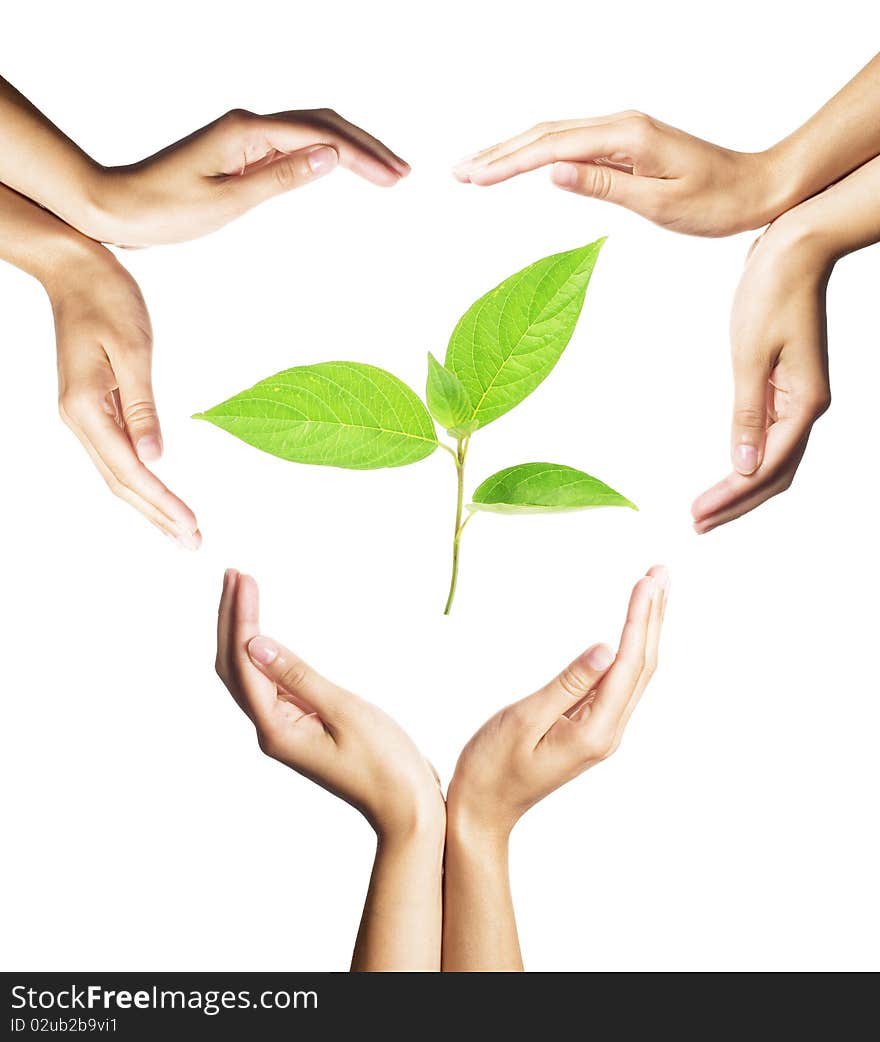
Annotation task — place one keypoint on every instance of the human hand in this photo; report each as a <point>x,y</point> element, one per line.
<point>780,367</point>
<point>538,744</point>
<point>218,173</point>
<point>104,346</point>
<point>674,179</point>
<point>339,741</point>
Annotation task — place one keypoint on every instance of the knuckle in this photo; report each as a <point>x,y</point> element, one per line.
<point>293,673</point>
<point>750,417</point>
<point>237,118</point>
<point>573,681</point>
<point>819,403</point>
<point>139,412</point>
<point>600,181</point>
<point>640,127</point>
<point>286,174</point>
<point>72,404</point>
<point>518,716</point>
<point>115,485</point>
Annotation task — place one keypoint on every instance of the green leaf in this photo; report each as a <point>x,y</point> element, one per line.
<point>537,488</point>
<point>448,400</point>
<point>337,414</point>
<point>508,341</point>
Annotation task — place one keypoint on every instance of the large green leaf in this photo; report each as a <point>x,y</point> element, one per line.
<point>337,414</point>
<point>537,488</point>
<point>448,400</point>
<point>508,341</point>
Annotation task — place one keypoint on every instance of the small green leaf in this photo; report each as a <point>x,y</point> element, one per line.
<point>337,414</point>
<point>509,340</point>
<point>448,400</point>
<point>537,488</point>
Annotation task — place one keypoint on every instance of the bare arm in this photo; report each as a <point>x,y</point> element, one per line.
<point>520,756</point>
<point>352,749</point>
<point>843,135</point>
<point>479,924</point>
<point>780,341</point>
<point>400,926</point>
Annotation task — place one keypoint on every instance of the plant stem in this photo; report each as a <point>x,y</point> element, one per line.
<point>460,454</point>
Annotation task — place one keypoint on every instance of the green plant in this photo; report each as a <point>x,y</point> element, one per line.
<point>348,414</point>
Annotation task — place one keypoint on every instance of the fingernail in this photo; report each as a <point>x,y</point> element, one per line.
<point>746,459</point>
<point>600,657</point>
<point>262,650</point>
<point>189,540</point>
<point>148,448</point>
<point>565,174</point>
<point>661,577</point>
<point>322,160</point>
<point>464,163</point>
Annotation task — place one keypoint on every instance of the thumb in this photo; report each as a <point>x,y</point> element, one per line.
<point>567,689</point>
<point>749,420</point>
<point>286,173</point>
<point>304,686</point>
<point>139,410</point>
<point>641,194</point>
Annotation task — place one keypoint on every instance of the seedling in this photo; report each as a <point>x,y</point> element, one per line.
<point>348,414</point>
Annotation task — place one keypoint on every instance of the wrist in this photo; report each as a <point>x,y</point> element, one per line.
<point>779,180</point>
<point>478,835</point>
<point>65,253</point>
<point>109,206</point>
<point>421,825</point>
<point>802,236</point>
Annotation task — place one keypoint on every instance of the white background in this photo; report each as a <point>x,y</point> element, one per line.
<point>736,827</point>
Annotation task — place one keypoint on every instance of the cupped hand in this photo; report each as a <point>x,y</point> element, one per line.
<point>104,346</point>
<point>344,744</point>
<point>538,744</point>
<point>780,367</point>
<point>674,179</point>
<point>218,173</point>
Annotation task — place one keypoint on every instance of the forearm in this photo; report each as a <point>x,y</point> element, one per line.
<point>840,220</point>
<point>400,928</point>
<point>842,136</point>
<point>479,925</point>
<point>36,241</point>
<point>42,163</point>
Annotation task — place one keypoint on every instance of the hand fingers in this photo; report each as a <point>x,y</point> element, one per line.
<point>749,429</point>
<point>613,141</point>
<point>571,686</point>
<point>652,651</point>
<point>358,151</point>
<point>127,477</point>
<point>369,143</point>
<point>644,195</point>
<point>254,692</point>
<point>223,663</point>
<point>464,166</point>
<point>618,686</point>
<point>737,494</point>
<point>285,173</point>
<point>138,406</point>
<point>296,679</point>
